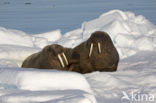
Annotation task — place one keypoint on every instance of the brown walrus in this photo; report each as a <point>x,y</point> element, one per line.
<point>52,57</point>
<point>97,54</point>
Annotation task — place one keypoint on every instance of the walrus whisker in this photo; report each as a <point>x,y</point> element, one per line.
<point>99,47</point>
<point>60,59</point>
<point>91,49</point>
<point>65,58</point>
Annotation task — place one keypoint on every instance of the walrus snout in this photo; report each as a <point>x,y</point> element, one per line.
<point>58,51</point>
<point>95,45</point>
<point>62,57</point>
<point>98,42</point>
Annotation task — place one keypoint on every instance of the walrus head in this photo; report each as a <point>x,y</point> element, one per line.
<point>98,40</point>
<point>57,52</point>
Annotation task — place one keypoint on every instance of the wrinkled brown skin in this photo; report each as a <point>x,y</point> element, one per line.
<point>106,61</point>
<point>47,59</point>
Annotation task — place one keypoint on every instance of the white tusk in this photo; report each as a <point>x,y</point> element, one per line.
<point>60,59</point>
<point>91,49</point>
<point>65,58</point>
<point>99,47</point>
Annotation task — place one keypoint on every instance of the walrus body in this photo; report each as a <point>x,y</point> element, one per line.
<point>97,54</point>
<point>51,57</point>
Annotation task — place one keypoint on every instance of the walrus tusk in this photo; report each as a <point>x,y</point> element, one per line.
<point>99,47</point>
<point>65,58</point>
<point>91,49</point>
<point>60,59</point>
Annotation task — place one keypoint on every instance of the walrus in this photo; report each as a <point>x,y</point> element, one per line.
<point>97,54</point>
<point>53,57</point>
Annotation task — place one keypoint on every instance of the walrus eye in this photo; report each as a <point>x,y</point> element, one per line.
<point>91,49</point>
<point>99,47</point>
<point>65,58</point>
<point>60,59</point>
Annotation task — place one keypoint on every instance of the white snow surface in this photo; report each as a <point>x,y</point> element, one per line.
<point>46,85</point>
<point>134,37</point>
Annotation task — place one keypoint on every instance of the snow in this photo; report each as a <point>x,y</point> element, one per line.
<point>56,35</point>
<point>16,38</point>
<point>46,85</point>
<point>135,74</point>
<point>128,32</point>
<point>134,37</point>
<point>15,54</point>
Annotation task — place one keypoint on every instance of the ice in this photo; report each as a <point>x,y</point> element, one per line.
<point>134,37</point>
<point>144,43</point>
<point>50,36</point>
<point>59,96</point>
<point>15,54</point>
<point>125,29</point>
<point>32,79</point>
<point>15,37</point>
<point>47,85</point>
<point>135,74</point>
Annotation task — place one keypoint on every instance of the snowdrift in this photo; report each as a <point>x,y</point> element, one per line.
<point>129,33</point>
<point>135,75</point>
<point>135,39</point>
<point>16,37</point>
<point>57,84</point>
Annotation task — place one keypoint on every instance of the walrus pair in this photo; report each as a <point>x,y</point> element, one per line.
<point>96,54</point>
<point>51,57</point>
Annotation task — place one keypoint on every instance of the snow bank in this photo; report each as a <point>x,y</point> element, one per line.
<point>61,83</point>
<point>58,96</point>
<point>50,36</point>
<point>19,38</point>
<point>32,79</point>
<point>135,74</point>
<point>14,55</point>
<point>128,32</point>
<point>16,45</point>
<point>15,37</point>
